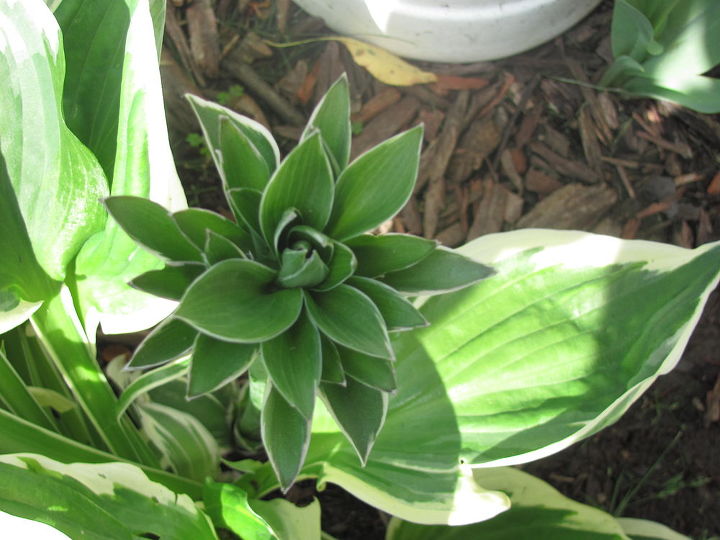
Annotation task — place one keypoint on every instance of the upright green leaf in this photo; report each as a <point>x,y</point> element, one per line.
<point>17,397</point>
<point>345,402</point>
<point>229,508</point>
<point>294,364</point>
<point>331,118</point>
<point>243,166</point>
<point>286,435</point>
<point>215,363</point>
<point>211,115</point>
<point>170,282</point>
<point>125,120</point>
<point>349,318</point>
<point>149,380</point>
<point>303,181</point>
<point>374,372</point>
<point>375,186</point>
<point>109,500</point>
<point>234,301</point>
<point>340,267</point>
<point>57,181</point>
<point>196,222</point>
<point>332,369</point>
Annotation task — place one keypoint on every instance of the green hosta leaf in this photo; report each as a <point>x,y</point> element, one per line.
<point>123,124</point>
<point>229,508</point>
<point>151,225</point>
<point>51,399</point>
<point>375,186</point>
<point>245,205</point>
<point>699,93</point>
<point>359,410</point>
<point>148,381</point>
<point>332,370</point>
<point>170,282</point>
<point>197,222</point>
<point>398,313</point>
<point>441,271</point>
<point>341,266</point>
<point>641,529</point>
<point>23,282</point>
<point>332,118</point>
<point>231,301</point>
<point>632,32</point>
<point>538,511</point>
<point>243,166</point>
<point>215,363</point>
<point>286,435</point>
<point>109,500</point>
<point>349,318</point>
<point>183,440</point>
<point>212,410</point>
<point>378,255</point>
<point>293,361</point>
<point>373,372</point>
<point>558,344</point>
<point>18,398</point>
<point>218,248</point>
<point>291,522</point>
<point>171,339</point>
<point>304,182</point>
<point>57,181</point>
<point>211,115</point>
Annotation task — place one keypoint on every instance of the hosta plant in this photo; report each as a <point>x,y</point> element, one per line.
<point>295,289</point>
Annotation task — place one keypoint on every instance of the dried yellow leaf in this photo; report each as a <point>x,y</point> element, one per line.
<point>384,66</point>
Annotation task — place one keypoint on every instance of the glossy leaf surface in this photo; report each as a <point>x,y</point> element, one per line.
<point>215,363</point>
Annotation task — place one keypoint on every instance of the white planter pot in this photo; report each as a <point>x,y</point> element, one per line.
<point>451,30</point>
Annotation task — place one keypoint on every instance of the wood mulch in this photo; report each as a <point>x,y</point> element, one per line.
<point>523,142</point>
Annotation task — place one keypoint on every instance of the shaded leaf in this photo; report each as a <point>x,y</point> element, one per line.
<point>374,372</point>
<point>218,248</point>
<point>234,301</point>
<point>245,205</point>
<point>440,272</point>
<point>378,255</point>
<point>341,266</point>
<point>170,282</point>
<point>344,402</point>
<point>332,370</point>
<point>293,361</point>
<point>286,435</point>
<point>396,310</point>
<point>148,381</point>
<point>215,363</point>
<point>375,186</point>
<point>196,222</point>
<point>171,339</point>
<point>349,318</point>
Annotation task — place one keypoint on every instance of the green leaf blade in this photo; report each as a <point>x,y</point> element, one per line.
<point>396,310</point>
<point>215,363</point>
<point>331,118</point>
<point>304,182</point>
<point>374,187</point>
<point>349,318</point>
<point>234,301</point>
<point>169,340</point>
<point>379,255</point>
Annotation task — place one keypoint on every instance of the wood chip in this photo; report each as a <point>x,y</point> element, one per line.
<point>493,209</point>
<point>590,143</point>
<point>573,206</point>
<point>452,236</point>
<point>508,168</point>
<point>712,404</point>
<point>178,39</point>
<point>387,125</point>
<point>203,34</point>
<point>566,167</point>
<point>476,144</point>
<point>541,183</point>
<point>714,186</point>
<point>528,126</point>
<point>176,83</point>
<point>377,104</point>
<point>680,148</point>
<point>432,120</point>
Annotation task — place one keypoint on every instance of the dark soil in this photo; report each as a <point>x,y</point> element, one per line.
<point>517,146</point>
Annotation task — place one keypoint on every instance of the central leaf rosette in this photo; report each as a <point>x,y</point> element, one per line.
<point>295,289</point>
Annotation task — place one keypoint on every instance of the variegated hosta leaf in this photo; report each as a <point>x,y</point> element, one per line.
<point>229,508</point>
<point>538,511</point>
<point>125,126</point>
<point>55,181</point>
<point>642,529</point>
<point>290,522</point>
<point>555,346</point>
<point>109,500</point>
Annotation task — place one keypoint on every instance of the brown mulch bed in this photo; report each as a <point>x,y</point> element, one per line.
<point>523,142</point>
